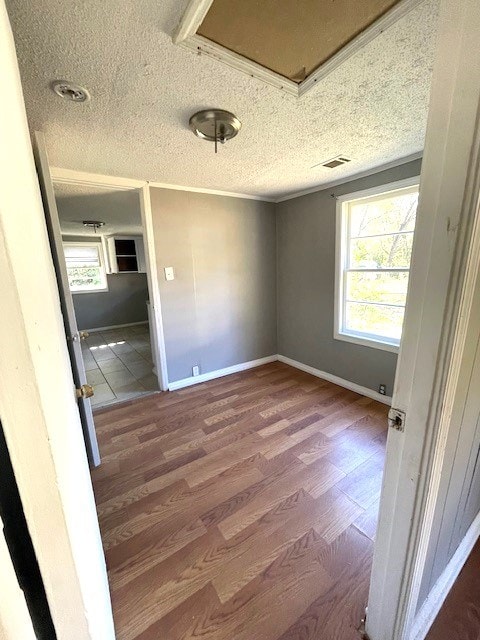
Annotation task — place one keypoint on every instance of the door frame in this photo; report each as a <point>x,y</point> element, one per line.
<point>69,176</point>
<point>38,405</point>
<point>445,264</point>
<point>66,297</point>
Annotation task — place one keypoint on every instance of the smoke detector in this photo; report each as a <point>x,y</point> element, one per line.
<point>215,125</point>
<point>70,91</point>
<point>333,163</point>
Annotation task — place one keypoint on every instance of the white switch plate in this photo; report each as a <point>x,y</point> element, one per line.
<point>169,273</point>
<point>196,370</point>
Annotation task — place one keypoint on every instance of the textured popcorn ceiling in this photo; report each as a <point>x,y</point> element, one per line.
<point>120,210</point>
<point>373,108</point>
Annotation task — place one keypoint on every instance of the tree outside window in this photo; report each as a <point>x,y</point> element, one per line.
<point>376,246</point>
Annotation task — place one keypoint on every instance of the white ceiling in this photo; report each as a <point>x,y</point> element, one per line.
<point>120,210</point>
<point>372,108</point>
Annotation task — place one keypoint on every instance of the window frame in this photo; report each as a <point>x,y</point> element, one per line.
<point>103,265</point>
<point>341,246</point>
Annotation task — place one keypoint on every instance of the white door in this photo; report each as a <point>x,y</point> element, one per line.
<point>66,300</point>
<point>445,259</point>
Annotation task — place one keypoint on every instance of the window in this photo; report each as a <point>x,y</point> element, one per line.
<point>85,267</point>
<point>374,246</point>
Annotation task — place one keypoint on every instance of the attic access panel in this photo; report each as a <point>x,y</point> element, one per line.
<point>290,44</point>
<point>291,37</point>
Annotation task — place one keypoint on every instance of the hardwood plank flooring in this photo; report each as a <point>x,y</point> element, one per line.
<point>243,508</point>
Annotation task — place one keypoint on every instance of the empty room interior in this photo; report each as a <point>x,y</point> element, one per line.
<point>238,199</point>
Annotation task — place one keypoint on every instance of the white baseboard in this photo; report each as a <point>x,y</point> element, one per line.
<point>219,373</point>
<point>364,391</point>
<point>432,605</point>
<point>243,366</point>
<point>116,326</point>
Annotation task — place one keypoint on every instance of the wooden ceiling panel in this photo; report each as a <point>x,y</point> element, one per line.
<point>290,37</point>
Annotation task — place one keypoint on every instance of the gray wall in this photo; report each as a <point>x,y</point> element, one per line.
<point>221,308</point>
<point>306,285</point>
<point>125,302</point>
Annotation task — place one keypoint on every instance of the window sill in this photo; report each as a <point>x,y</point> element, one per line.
<point>367,342</point>
<point>74,293</point>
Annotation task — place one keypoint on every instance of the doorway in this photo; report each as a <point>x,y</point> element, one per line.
<point>104,249</point>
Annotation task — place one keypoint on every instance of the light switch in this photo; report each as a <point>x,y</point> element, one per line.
<point>169,273</point>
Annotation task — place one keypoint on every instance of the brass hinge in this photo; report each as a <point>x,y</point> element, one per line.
<point>80,335</point>
<point>396,419</point>
<point>85,391</point>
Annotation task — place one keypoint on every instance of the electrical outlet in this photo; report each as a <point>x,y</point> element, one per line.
<point>382,389</point>
<point>196,370</point>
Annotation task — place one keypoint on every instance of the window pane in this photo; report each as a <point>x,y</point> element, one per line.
<point>382,252</point>
<point>86,278</point>
<point>374,320</point>
<point>389,288</point>
<point>391,214</point>
<point>81,255</point>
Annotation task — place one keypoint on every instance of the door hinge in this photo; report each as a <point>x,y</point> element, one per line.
<point>396,419</point>
<point>361,629</point>
<point>80,335</point>
<point>85,391</point>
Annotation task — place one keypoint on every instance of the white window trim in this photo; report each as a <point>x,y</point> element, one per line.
<point>103,264</point>
<point>377,342</point>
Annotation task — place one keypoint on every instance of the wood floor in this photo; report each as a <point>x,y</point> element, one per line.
<point>241,509</point>
<point>459,618</point>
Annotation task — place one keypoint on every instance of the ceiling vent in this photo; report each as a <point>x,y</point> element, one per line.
<point>333,162</point>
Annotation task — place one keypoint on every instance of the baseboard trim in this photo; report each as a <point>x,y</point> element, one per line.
<point>341,382</point>
<point>116,326</point>
<point>432,605</point>
<point>243,366</point>
<point>219,373</point>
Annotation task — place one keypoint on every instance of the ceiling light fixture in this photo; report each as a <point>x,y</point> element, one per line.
<point>215,125</point>
<point>70,91</point>
<point>93,224</point>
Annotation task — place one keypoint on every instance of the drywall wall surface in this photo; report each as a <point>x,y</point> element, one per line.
<point>125,302</point>
<point>306,285</point>
<point>220,310</point>
<point>39,411</point>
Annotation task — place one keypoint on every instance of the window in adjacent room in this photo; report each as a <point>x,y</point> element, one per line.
<point>85,267</point>
<point>374,246</point>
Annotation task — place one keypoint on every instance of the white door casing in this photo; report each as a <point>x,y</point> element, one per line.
<point>68,176</point>
<point>445,260</point>
<point>66,298</point>
<point>38,410</point>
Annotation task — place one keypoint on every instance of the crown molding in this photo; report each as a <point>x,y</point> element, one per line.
<point>352,178</point>
<point>213,192</point>
<point>71,176</point>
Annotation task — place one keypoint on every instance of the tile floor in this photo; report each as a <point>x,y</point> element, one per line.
<point>119,364</point>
